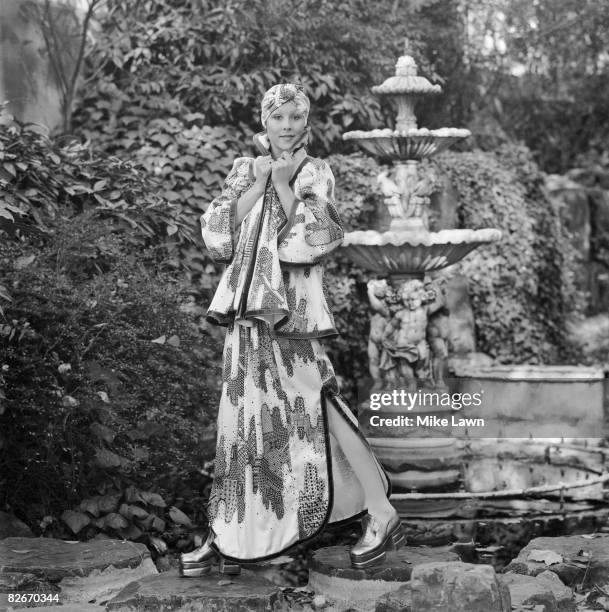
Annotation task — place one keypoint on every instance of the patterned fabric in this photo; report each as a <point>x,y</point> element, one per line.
<point>278,95</point>
<point>280,476</point>
<point>278,283</point>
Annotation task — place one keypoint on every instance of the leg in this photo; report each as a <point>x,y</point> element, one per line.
<point>382,528</point>
<point>360,458</point>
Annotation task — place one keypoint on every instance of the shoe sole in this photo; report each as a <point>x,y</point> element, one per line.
<point>394,540</point>
<point>230,568</point>
<point>362,562</point>
<point>398,539</point>
<point>193,569</point>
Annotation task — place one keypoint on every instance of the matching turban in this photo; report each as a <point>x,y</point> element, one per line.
<point>278,95</point>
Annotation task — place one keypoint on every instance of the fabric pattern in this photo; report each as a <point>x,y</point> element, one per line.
<point>280,477</point>
<point>255,284</point>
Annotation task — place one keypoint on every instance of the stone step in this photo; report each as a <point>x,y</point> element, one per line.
<point>214,592</point>
<point>331,574</point>
<point>80,572</point>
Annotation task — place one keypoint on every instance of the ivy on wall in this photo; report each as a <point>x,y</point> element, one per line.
<point>523,287</point>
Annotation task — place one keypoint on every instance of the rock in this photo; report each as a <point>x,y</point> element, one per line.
<point>75,607</point>
<point>331,574</point>
<point>585,558</point>
<point>545,588</point>
<point>334,561</point>
<point>396,601</point>
<point>169,592</point>
<point>11,526</point>
<point>83,571</point>
<point>458,587</point>
<point>16,581</point>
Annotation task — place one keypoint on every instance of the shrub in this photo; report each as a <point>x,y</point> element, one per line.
<point>41,178</point>
<point>110,390</point>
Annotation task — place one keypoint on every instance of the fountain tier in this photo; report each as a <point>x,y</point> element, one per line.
<point>415,143</point>
<point>413,253</point>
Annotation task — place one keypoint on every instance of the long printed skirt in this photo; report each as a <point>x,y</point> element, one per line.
<point>280,475</point>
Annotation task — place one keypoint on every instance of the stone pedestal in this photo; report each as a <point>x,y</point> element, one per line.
<point>331,575</point>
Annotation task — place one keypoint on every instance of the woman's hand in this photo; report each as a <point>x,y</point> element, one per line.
<point>262,169</point>
<point>282,169</point>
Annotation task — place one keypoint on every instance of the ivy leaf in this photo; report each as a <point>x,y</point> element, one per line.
<point>75,520</point>
<point>158,524</point>
<point>549,557</point>
<point>132,532</point>
<point>131,511</point>
<point>91,506</point>
<point>115,521</point>
<point>107,459</point>
<point>103,432</point>
<point>154,499</point>
<point>178,517</point>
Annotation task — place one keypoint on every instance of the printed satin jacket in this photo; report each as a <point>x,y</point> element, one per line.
<point>274,271</point>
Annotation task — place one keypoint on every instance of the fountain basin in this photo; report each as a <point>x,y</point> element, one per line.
<point>405,145</point>
<point>415,252</point>
<point>541,401</point>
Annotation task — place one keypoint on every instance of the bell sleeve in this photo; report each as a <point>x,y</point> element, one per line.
<point>313,229</point>
<point>218,226</point>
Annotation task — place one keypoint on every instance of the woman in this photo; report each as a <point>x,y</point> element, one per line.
<point>289,457</point>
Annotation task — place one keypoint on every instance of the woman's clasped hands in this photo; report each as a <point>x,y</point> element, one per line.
<point>280,169</point>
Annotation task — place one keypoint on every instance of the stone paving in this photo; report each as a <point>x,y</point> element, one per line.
<point>549,575</point>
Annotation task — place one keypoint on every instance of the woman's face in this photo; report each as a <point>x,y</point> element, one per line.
<point>284,127</point>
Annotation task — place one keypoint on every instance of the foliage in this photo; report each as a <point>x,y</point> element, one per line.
<point>39,179</point>
<point>523,287</point>
<point>109,388</point>
<point>540,68</point>
<point>218,58</point>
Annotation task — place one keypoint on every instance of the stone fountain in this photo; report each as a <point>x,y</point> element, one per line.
<point>408,345</point>
<point>408,252</point>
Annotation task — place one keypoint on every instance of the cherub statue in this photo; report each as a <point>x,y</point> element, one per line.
<point>406,351</point>
<point>378,294</point>
<point>438,329</point>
